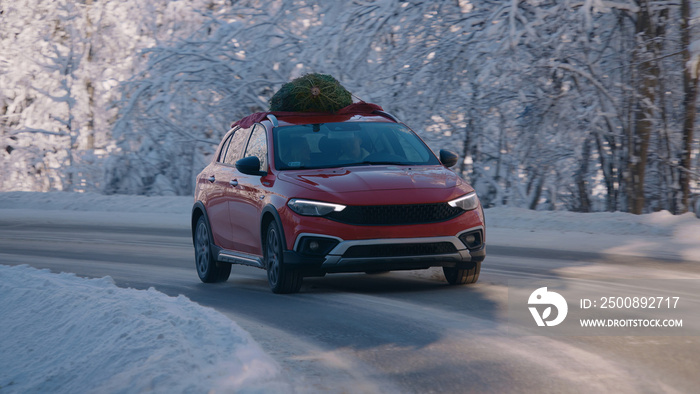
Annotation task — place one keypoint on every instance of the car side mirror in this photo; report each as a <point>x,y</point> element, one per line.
<point>250,166</point>
<point>447,158</point>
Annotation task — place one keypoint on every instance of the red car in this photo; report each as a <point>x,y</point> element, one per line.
<point>302,195</point>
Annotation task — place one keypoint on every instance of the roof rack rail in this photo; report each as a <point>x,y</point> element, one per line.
<point>273,119</point>
<point>386,115</point>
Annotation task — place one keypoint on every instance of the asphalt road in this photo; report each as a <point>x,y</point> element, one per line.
<point>400,332</point>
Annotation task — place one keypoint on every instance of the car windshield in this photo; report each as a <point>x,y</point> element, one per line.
<point>328,145</point>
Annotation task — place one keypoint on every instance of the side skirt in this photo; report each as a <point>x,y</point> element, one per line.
<point>229,256</point>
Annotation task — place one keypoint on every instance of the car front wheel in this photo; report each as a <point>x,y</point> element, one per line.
<point>282,278</point>
<point>462,276</point>
<point>208,269</point>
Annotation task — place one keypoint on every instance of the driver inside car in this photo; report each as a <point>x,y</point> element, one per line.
<point>353,150</point>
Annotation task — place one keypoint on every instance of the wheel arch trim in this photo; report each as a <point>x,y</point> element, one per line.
<point>198,207</point>
<point>267,211</point>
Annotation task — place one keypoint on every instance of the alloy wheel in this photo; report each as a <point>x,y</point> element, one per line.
<point>203,256</point>
<point>273,259</point>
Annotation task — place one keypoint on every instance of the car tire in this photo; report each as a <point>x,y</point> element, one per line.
<point>282,278</point>
<point>462,276</point>
<point>224,272</point>
<point>208,269</point>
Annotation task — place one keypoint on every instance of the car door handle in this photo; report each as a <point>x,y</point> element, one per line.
<point>212,179</point>
<point>233,182</point>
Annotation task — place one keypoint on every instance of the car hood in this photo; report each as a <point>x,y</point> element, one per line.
<point>373,178</point>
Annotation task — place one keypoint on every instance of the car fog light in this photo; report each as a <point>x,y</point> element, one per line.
<point>473,240</point>
<point>316,246</point>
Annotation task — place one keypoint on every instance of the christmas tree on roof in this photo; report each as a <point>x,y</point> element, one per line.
<point>311,93</point>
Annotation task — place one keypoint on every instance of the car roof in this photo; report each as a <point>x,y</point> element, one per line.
<point>312,119</point>
<point>355,112</point>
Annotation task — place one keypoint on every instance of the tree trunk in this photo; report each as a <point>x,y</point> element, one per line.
<point>690,94</point>
<point>468,133</point>
<point>88,82</point>
<point>584,202</point>
<point>650,33</point>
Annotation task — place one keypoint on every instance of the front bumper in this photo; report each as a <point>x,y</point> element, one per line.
<point>389,254</point>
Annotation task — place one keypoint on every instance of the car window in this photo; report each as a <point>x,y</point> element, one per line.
<point>235,149</point>
<point>348,144</point>
<point>257,146</point>
<point>413,149</point>
<point>224,148</point>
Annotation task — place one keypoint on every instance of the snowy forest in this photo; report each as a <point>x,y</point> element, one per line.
<point>581,105</point>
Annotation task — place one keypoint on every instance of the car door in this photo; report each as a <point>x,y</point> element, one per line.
<point>246,206</point>
<point>211,185</point>
<point>225,173</point>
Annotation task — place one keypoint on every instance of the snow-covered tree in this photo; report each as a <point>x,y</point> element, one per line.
<point>553,104</point>
<point>41,111</point>
<point>190,92</point>
<point>60,71</point>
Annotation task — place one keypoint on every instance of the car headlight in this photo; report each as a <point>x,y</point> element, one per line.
<point>313,208</point>
<point>467,202</point>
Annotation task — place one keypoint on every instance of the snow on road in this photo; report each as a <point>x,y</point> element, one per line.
<point>62,333</point>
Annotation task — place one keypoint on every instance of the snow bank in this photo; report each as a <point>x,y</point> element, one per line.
<point>62,333</point>
<point>65,201</point>
<point>619,223</point>
<point>657,236</point>
<point>82,208</point>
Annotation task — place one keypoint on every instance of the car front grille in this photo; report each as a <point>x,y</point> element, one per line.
<point>398,250</point>
<point>395,215</point>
